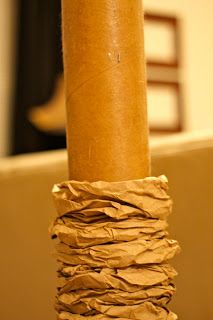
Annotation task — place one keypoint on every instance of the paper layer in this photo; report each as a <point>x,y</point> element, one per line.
<point>113,250</point>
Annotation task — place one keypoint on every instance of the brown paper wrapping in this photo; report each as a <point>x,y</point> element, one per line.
<point>129,279</point>
<point>69,316</point>
<point>118,200</point>
<point>113,250</point>
<point>76,234</point>
<point>119,255</point>
<point>145,312</point>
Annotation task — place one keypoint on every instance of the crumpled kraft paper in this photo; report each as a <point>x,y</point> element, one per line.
<point>119,200</point>
<point>119,255</point>
<point>70,316</point>
<point>158,295</point>
<point>79,235</point>
<point>131,279</point>
<point>113,250</point>
<point>144,311</point>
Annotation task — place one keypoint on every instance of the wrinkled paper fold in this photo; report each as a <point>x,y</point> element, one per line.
<point>113,250</point>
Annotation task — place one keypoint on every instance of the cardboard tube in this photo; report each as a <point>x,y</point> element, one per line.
<point>105,86</point>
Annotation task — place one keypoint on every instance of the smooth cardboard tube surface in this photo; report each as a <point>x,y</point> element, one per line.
<point>105,85</point>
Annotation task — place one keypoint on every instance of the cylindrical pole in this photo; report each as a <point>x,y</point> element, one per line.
<point>105,87</point>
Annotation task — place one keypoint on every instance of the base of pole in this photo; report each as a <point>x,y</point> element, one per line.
<point>114,250</point>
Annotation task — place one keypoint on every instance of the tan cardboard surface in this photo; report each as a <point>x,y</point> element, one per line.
<point>105,87</point>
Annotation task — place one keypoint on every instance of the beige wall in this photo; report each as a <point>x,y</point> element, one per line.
<point>197,50</point>
<point>27,268</point>
<point>7,33</point>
